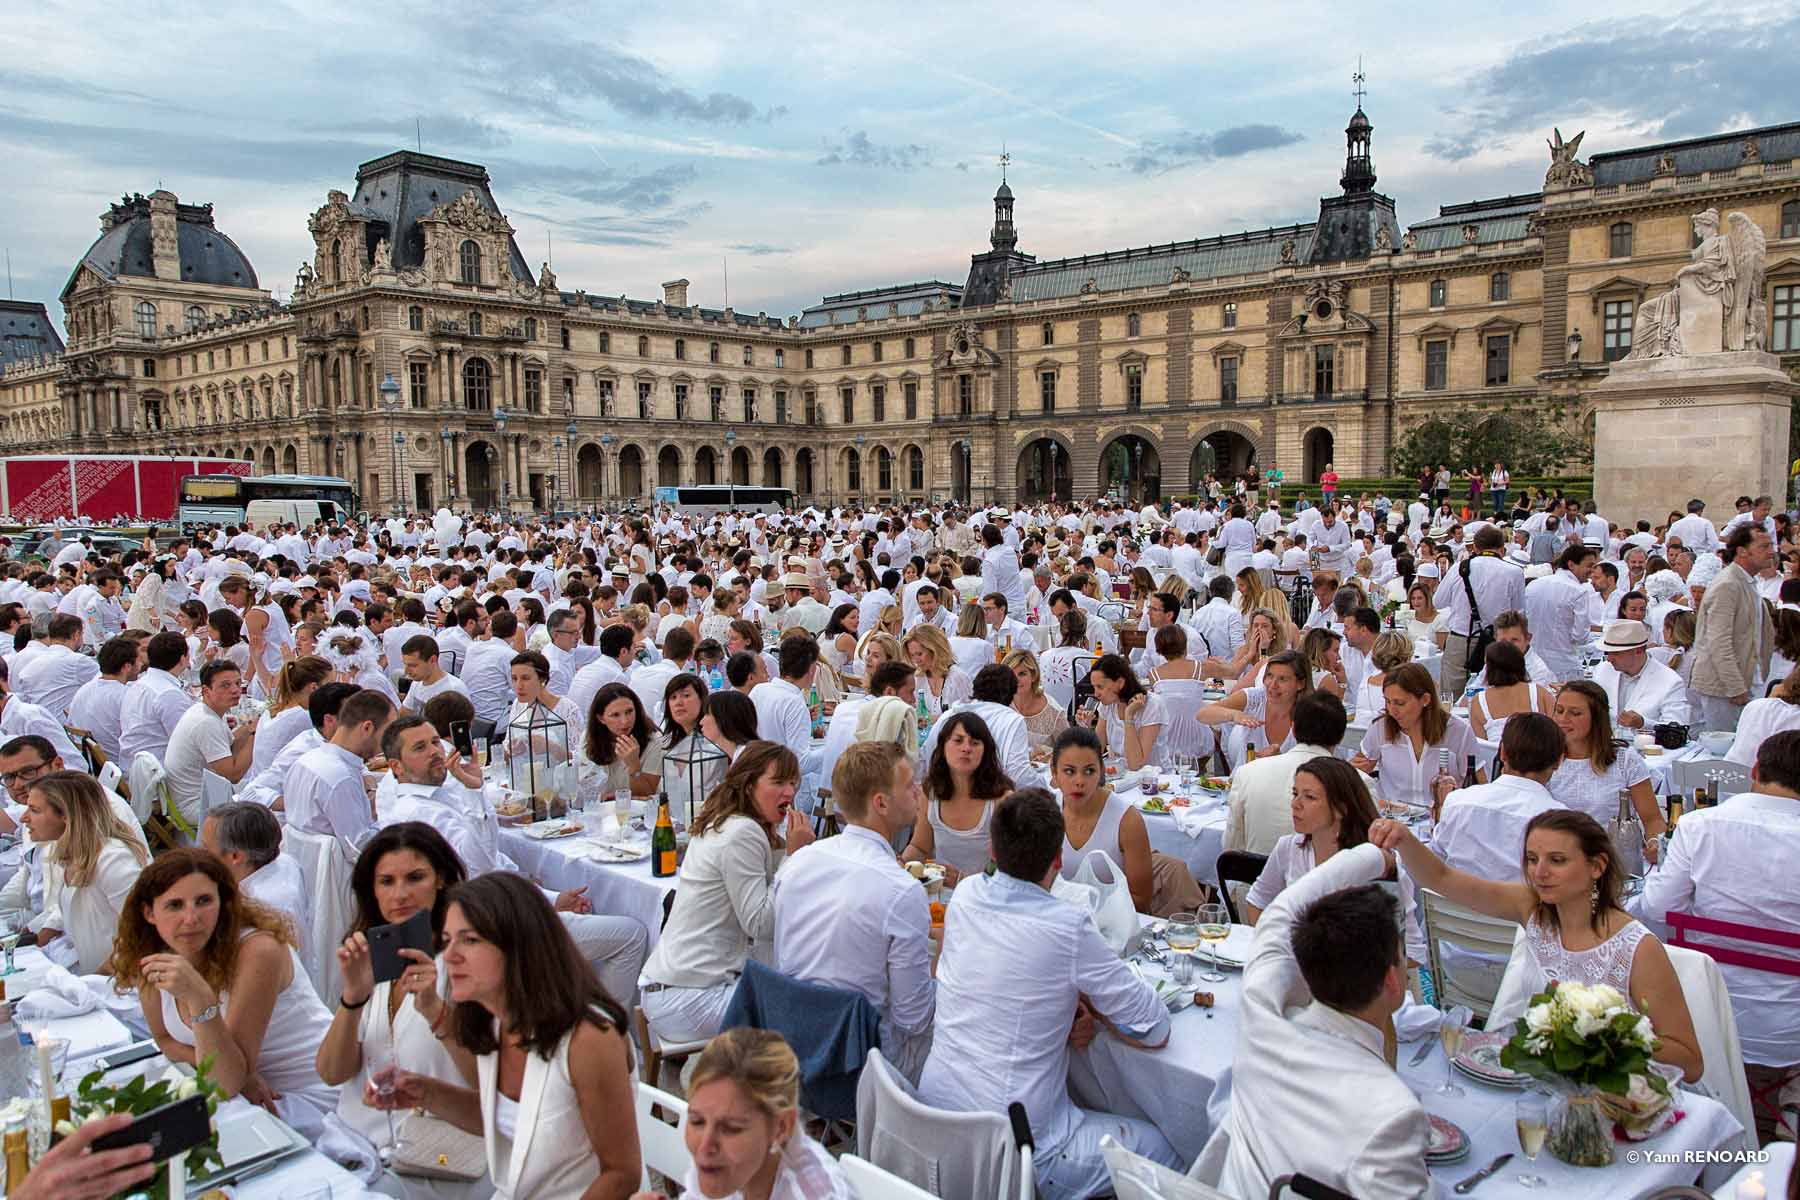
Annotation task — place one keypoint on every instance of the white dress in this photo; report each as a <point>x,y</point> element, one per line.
<point>297,1025</point>
<point>1580,787</point>
<point>1608,963</point>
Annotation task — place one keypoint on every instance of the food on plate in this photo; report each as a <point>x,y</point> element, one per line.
<point>1215,783</point>
<point>510,808</point>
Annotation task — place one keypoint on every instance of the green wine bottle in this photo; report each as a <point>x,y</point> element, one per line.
<point>662,841</point>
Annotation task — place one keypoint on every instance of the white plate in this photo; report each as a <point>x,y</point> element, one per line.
<point>249,1139</point>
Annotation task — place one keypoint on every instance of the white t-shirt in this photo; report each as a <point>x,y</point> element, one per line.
<point>420,694</point>
<point>200,737</point>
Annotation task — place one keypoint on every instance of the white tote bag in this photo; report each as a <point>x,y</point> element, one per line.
<point>1106,895</point>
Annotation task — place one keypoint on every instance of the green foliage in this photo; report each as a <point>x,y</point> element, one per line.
<point>138,1096</point>
<point>1604,1060</point>
<point>1528,440</point>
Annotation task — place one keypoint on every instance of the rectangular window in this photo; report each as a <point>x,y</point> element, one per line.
<point>712,352</point>
<point>1499,286</point>
<point>1047,391</point>
<point>211,364</point>
<point>680,349</point>
<point>749,356</point>
<point>749,404</point>
<point>284,347</point>
<point>1499,360</point>
<point>149,367</point>
<point>644,398</point>
<point>1324,371</point>
<point>1615,332</point>
<point>846,355</point>
<point>780,406</point>
<point>606,398</point>
<point>228,356</point>
<point>1230,318</point>
<point>1437,366</point>
<point>809,357</point>
<point>569,395</point>
<point>878,399</point>
<point>681,401</point>
<point>965,395</point>
<point>565,337</point>
<point>810,401</point>
<point>1228,380</point>
<point>1784,321</point>
<point>418,381</point>
<point>911,393</point>
<point>1439,293</point>
<point>716,402</point>
<point>265,350</point>
<point>847,397</point>
<point>1619,240</point>
<point>780,357</point>
<point>534,390</point>
<point>875,349</point>
<point>605,342</point>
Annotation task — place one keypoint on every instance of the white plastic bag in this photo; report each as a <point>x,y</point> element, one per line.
<point>1106,896</point>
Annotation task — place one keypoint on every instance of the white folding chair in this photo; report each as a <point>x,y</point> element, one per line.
<point>215,790</point>
<point>948,1154</point>
<point>1056,672</point>
<point>660,1141</point>
<point>1730,778</point>
<point>1135,1177</point>
<point>1473,934</point>
<point>326,873</point>
<point>870,1182</point>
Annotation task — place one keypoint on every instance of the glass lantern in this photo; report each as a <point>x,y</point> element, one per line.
<point>690,772</point>
<point>540,768</point>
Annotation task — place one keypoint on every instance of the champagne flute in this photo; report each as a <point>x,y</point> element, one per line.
<point>1183,936</point>
<point>1531,1117</point>
<point>1451,1032</point>
<point>11,930</point>
<point>1214,928</point>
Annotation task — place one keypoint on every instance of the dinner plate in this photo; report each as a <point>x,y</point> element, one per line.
<point>617,852</point>
<point>544,831</point>
<point>1446,1141</point>
<point>246,1140</point>
<point>1479,1059</point>
<point>1165,805</point>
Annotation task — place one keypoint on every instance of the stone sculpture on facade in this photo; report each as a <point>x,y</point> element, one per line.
<point>1716,304</point>
<point>1384,238</point>
<point>1567,171</point>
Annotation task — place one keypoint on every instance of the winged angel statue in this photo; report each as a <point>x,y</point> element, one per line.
<point>1717,302</point>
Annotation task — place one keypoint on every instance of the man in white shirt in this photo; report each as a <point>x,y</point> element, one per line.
<point>155,701</point>
<point>487,672</point>
<point>565,650</point>
<point>99,610</point>
<point>1056,967</point>
<point>996,615</point>
<point>876,599</point>
<point>1331,538</point>
<point>1642,692</point>
<point>1515,628</point>
<point>992,696</point>
<point>1327,972</point>
<point>1218,622</point>
<point>24,760</point>
<point>651,680</point>
<point>20,717</point>
<point>930,610</point>
<point>781,712</point>
<point>203,742</point>
<point>1497,585</point>
<point>1705,872</point>
<point>1261,803</point>
<point>1694,531</point>
<point>1557,605</point>
<point>59,671</point>
<point>246,837</point>
<point>419,660</point>
<point>96,708</point>
<point>325,790</point>
<point>847,915</point>
<point>1482,828</point>
<point>618,650</point>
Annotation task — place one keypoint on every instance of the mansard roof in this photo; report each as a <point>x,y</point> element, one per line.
<point>1716,152</point>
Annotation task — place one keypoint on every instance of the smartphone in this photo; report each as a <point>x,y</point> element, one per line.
<point>176,1126</point>
<point>461,739</point>
<point>124,1056</point>
<point>386,942</point>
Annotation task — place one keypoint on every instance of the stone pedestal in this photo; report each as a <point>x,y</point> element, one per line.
<point>1667,430</point>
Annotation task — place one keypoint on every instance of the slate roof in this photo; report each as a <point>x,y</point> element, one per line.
<point>1501,219</point>
<point>1717,152</point>
<point>647,308</point>
<point>26,332</point>
<point>206,254</point>
<point>903,299</point>
<point>399,188</point>
<point>1118,270</point>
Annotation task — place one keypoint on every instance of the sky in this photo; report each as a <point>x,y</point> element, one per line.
<point>796,151</point>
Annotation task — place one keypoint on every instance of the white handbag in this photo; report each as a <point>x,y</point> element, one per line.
<point>1108,899</point>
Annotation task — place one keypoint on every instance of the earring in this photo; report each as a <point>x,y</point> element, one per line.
<point>1594,898</point>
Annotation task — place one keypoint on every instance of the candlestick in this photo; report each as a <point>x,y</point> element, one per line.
<point>42,1042</point>
<point>1752,1187</point>
<point>178,1176</point>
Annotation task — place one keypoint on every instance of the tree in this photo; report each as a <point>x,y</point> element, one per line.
<point>1526,440</point>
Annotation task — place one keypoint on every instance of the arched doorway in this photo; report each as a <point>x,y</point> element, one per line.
<point>1043,472</point>
<point>668,467</point>
<point>290,461</point>
<point>803,472</point>
<point>705,466</point>
<point>771,476</point>
<point>1222,455</point>
<point>478,475</point>
<point>268,460</point>
<point>589,472</point>
<point>740,466</point>
<point>1319,444</point>
<point>631,472</point>
<point>1131,469</point>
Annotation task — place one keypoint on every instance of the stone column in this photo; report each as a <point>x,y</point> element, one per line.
<point>453,378</point>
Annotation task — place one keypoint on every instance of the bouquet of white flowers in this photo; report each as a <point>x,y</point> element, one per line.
<point>93,1098</point>
<point>1587,1041</point>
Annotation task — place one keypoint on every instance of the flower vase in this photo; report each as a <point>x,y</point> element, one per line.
<point>1580,1131</point>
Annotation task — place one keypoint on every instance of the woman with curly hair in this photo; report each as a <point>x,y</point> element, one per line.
<point>219,978</point>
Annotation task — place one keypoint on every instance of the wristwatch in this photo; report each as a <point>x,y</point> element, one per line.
<point>209,1013</point>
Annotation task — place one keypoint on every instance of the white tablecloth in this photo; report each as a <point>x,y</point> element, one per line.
<point>1774,1170</point>
<point>614,889</point>
<point>89,1034</point>
<point>1662,766</point>
<point>1200,853</point>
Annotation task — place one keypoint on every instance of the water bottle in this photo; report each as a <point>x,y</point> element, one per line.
<point>1627,834</point>
<point>715,680</point>
<point>16,1067</point>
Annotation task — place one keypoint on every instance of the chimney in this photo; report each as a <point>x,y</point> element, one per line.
<point>675,293</point>
<point>164,247</point>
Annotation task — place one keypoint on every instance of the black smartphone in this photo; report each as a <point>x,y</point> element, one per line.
<point>386,942</point>
<point>461,739</point>
<point>124,1056</point>
<point>176,1126</point>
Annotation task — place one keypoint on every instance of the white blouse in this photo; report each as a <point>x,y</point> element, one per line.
<point>1293,856</point>
<point>1155,713</point>
<point>1761,720</point>
<point>1406,779</point>
<point>1595,793</point>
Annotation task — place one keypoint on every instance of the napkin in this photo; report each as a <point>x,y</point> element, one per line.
<point>1199,817</point>
<point>57,995</point>
<point>1415,1020</point>
<point>547,829</point>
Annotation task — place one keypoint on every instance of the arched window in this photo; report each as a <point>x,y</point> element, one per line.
<point>884,470</point>
<point>415,318</point>
<point>470,255</point>
<point>1499,286</point>
<point>478,385</point>
<point>853,470</point>
<point>1790,219</point>
<point>1618,240</point>
<point>474,321</point>
<point>196,317</point>
<point>915,469</point>
<point>337,261</point>
<point>1133,325</point>
<point>146,319</point>
<point>1049,334</point>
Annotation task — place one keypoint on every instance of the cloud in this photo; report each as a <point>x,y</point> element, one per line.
<point>1156,157</point>
<point>1673,77</point>
<point>173,152</point>
<point>621,229</point>
<point>759,249</point>
<point>449,135</point>
<point>856,150</point>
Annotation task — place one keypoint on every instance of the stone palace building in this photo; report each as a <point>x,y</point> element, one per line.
<point>1137,369</point>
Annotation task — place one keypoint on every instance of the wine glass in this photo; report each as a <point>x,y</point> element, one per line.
<point>1214,928</point>
<point>1183,936</point>
<point>11,930</point>
<point>1531,1117</point>
<point>1451,1032</point>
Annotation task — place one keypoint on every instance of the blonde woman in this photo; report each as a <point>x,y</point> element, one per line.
<point>287,717</point>
<point>1043,720</point>
<point>1250,594</point>
<point>941,682</point>
<point>1266,634</point>
<point>92,863</point>
<point>1425,623</point>
<point>1322,653</point>
<point>1392,649</point>
<point>969,643</point>
<point>877,648</point>
<point>892,621</point>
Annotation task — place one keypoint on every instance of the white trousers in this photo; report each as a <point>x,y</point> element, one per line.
<point>1078,1170</point>
<point>1718,712</point>
<point>688,1014</point>
<point>617,948</point>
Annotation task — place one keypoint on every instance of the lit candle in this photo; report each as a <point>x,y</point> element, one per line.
<point>1752,1187</point>
<point>42,1041</point>
<point>178,1176</point>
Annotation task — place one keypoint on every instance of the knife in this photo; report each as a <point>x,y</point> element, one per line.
<point>1468,1185</point>
<point>1419,1054</point>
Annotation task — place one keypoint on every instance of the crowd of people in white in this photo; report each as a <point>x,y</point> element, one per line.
<point>830,696</point>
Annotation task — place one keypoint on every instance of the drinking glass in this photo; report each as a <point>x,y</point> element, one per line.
<point>1214,928</point>
<point>1531,1117</point>
<point>59,1059</point>
<point>1183,936</point>
<point>622,808</point>
<point>11,930</point>
<point>1451,1032</point>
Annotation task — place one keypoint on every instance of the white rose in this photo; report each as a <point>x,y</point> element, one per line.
<point>1536,1043</point>
<point>1607,996</point>
<point>1580,1000</point>
<point>186,1088</point>
<point>1539,1018</point>
<point>1643,1032</point>
<point>1396,591</point>
<point>1588,1024</point>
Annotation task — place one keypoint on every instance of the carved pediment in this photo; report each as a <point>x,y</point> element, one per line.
<point>1229,349</point>
<point>331,216</point>
<point>1436,331</point>
<point>1617,285</point>
<point>467,214</point>
<point>964,348</point>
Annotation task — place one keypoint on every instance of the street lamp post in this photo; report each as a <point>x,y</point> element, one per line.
<point>450,477</point>
<point>505,475</point>
<point>967,447</point>
<point>399,453</point>
<point>390,401</point>
<point>730,474</point>
<point>556,444</point>
<point>573,431</point>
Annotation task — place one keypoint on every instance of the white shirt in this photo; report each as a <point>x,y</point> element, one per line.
<point>464,818</point>
<point>54,676</point>
<point>1498,586</point>
<point>1012,739</point>
<point>1296,1058</point>
<point>590,679</point>
<point>487,672</point>
<point>1557,607</point>
<point>21,717</point>
<point>90,913</point>
<point>1482,829</point>
<point>267,785</point>
<point>1220,627</point>
<point>564,664</point>
<point>847,915</point>
<point>782,716</point>
<point>1655,693</point>
<point>1407,780</point>
<point>1704,872</point>
<point>324,794</point>
<point>1000,573</point>
<point>1011,948</point>
<point>1696,533</point>
<point>1578,786</point>
<point>153,705</point>
<point>200,737</point>
<point>96,709</point>
<point>1262,799</point>
<point>280,885</point>
<point>650,681</point>
<point>420,694</point>
<point>1760,721</point>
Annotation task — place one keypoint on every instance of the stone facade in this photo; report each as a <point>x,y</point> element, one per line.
<point>1139,368</point>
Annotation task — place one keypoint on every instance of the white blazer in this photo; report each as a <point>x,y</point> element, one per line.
<point>549,1156</point>
<point>91,913</point>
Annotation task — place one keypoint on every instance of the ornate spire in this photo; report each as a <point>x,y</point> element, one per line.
<point>1004,236</point>
<point>1359,169</point>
